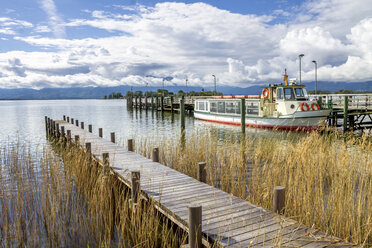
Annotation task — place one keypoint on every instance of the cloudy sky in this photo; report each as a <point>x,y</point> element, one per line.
<point>68,43</point>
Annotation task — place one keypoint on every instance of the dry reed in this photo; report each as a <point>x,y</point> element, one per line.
<point>327,178</point>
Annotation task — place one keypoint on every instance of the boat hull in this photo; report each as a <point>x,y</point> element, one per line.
<point>297,121</point>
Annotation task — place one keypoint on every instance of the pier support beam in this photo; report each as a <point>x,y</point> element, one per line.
<point>130,145</point>
<point>195,226</point>
<point>155,155</point>
<point>242,115</point>
<point>202,172</point>
<point>279,200</point>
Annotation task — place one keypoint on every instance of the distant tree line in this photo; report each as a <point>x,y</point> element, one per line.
<point>165,92</point>
<point>114,95</point>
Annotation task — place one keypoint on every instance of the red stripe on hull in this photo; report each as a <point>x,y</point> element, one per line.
<point>288,128</point>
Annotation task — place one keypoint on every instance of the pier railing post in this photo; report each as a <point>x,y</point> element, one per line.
<point>100,132</point>
<point>72,121</point>
<point>90,128</point>
<point>68,136</point>
<point>62,132</point>
<point>195,226</point>
<point>279,199</point>
<point>77,123</point>
<point>136,186</point>
<point>64,117</point>
<point>57,131</point>
<point>82,125</point>
<point>202,172</point>
<point>113,137</point>
<point>242,115</point>
<point>155,154</point>
<point>68,119</point>
<point>130,145</point>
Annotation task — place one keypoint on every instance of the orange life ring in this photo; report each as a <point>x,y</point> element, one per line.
<point>304,104</point>
<point>265,93</point>
<point>315,106</point>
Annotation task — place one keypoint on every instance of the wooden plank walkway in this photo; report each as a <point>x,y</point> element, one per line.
<point>229,220</point>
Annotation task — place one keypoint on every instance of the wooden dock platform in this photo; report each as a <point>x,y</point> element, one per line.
<point>226,219</point>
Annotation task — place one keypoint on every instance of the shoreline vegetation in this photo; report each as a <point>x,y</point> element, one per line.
<point>57,197</point>
<point>328,180</point>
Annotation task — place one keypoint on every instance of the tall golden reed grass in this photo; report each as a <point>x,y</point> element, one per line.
<point>60,200</point>
<point>328,178</point>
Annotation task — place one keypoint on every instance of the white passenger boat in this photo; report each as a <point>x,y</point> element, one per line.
<point>279,106</point>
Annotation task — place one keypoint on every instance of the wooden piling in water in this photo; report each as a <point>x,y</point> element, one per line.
<point>100,132</point>
<point>146,106</point>
<point>130,145</point>
<point>202,172</point>
<point>46,124</point>
<point>346,107</point>
<point>152,103</point>
<point>195,226</point>
<point>112,137</point>
<point>140,102</point>
<point>155,154</point>
<point>90,128</point>
<point>157,102</point>
<point>182,114</point>
<point>162,103</point>
<point>171,103</point>
<point>242,115</point>
<point>136,186</point>
<point>279,199</point>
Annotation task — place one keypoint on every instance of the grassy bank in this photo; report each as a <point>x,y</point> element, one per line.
<point>327,179</point>
<point>48,200</point>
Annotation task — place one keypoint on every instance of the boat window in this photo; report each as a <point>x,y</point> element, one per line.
<point>230,107</point>
<point>237,109</point>
<point>206,106</point>
<point>279,93</point>
<point>252,108</point>
<point>221,107</point>
<point>201,106</point>
<point>213,107</point>
<point>288,94</point>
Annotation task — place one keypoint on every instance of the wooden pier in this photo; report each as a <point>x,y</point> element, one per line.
<point>225,220</point>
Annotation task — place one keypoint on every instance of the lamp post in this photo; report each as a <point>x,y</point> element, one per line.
<point>163,83</point>
<point>214,84</point>
<point>300,57</point>
<point>316,76</point>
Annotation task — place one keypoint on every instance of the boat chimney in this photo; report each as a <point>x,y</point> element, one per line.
<point>285,77</point>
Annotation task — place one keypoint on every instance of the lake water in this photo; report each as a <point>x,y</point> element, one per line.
<point>24,120</point>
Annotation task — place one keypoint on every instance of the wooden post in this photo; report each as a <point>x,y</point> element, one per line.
<point>100,132</point>
<point>136,186</point>
<point>77,123</point>
<point>68,135</point>
<point>68,119</point>
<point>182,113</point>
<point>346,106</point>
<point>195,226</point>
<point>157,102</point>
<point>46,124</point>
<point>113,137</point>
<point>135,101</point>
<point>140,102</point>
<point>152,102</point>
<point>155,155</point>
<point>57,130</point>
<point>72,121</point>
<point>88,148</point>
<point>82,125</point>
<point>105,159</point>
<point>146,107</point>
<point>242,114</point>
<point>130,145</point>
<point>62,131</point>
<point>171,103</point>
<point>64,117</point>
<point>90,127</point>
<point>202,172</point>
<point>162,102</point>
<point>279,199</point>
<point>76,139</point>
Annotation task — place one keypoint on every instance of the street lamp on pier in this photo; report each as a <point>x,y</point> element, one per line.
<point>316,76</point>
<point>300,57</point>
<point>215,84</point>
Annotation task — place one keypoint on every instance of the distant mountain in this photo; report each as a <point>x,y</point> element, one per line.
<point>100,92</point>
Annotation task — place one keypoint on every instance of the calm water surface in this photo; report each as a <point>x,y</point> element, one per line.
<point>24,120</point>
